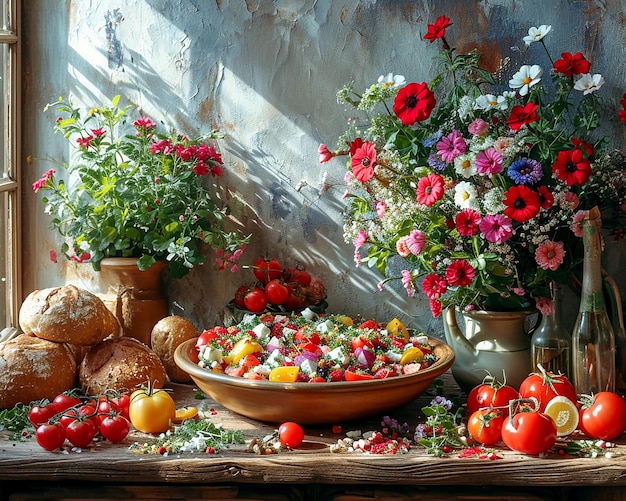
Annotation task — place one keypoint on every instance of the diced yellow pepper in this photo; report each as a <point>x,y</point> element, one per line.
<point>285,374</point>
<point>242,348</point>
<point>346,320</point>
<point>397,328</point>
<point>411,355</point>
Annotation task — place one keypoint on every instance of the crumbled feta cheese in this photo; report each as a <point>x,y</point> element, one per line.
<point>393,356</point>
<point>338,355</point>
<point>263,369</point>
<point>421,339</point>
<point>309,314</point>
<point>275,342</point>
<point>211,354</point>
<point>288,331</point>
<point>275,359</point>
<point>325,326</point>
<point>262,332</point>
<point>308,366</point>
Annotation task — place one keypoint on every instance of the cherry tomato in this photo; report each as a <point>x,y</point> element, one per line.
<point>297,275</point>
<point>81,432</point>
<point>240,293</point>
<point>544,387</point>
<point>276,292</point>
<point>360,342</point>
<point>529,432</point>
<point>603,416</point>
<point>151,411</point>
<point>290,434</point>
<point>206,336</point>
<point>485,425</point>
<point>491,394</point>
<point>267,269</point>
<point>66,400</point>
<point>123,402</point>
<point>255,300</point>
<point>114,428</point>
<point>357,376</point>
<point>50,436</point>
<point>296,300</point>
<point>40,414</point>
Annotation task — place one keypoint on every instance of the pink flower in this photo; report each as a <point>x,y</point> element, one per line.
<point>363,162</point>
<point>496,228</point>
<point>467,222</point>
<point>489,162</point>
<point>577,223</point>
<point>401,246</point>
<point>460,273</point>
<point>451,146</point>
<point>478,127</point>
<point>381,208</point>
<point>40,183</point>
<point>200,169</point>
<point>549,255</point>
<point>545,305</point>
<point>430,189</point>
<point>407,281</point>
<point>324,153</point>
<point>435,307</point>
<point>416,241</point>
<point>359,241</point>
<point>53,255</point>
<point>144,123</point>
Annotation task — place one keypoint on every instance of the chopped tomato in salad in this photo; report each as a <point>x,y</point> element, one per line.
<point>297,348</point>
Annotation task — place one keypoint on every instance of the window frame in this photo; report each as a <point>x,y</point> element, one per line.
<point>11,36</point>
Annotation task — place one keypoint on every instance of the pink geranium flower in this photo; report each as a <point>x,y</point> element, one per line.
<point>451,146</point>
<point>549,255</point>
<point>496,228</point>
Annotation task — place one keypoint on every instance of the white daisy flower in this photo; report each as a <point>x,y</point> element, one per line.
<point>464,165</point>
<point>489,101</point>
<point>391,80</point>
<point>588,83</point>
<point>525,78</point>
<point>465,196</point>
<point>536,34</point>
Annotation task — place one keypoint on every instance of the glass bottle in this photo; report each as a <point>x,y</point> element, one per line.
<point>593,340</point>
<point>551,342</point>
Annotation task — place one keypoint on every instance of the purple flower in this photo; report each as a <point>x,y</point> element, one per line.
<point>525,171</point>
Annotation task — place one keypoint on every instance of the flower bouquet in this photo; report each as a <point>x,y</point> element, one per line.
<point>473,187</point>
<point>132,191</point>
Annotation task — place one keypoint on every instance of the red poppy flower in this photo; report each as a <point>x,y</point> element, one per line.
<point>586,148</point>
<point>522,203</point>
<point>571,65</point>
<point>430,189</point>
<point>414,103</point>
<point>467,222</point>
<point>572,167</point>
<point>522,115</point>
<point>363,162</point>
<point>437,29</point>
<point>355,145</point>
<point>545,197</point>
<point>622,113</point>
<point>460,273</point>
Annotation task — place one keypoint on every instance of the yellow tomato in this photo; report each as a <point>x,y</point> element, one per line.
<point>397,328</point>
<point>151,411</point>
<point>284,374</point>
<point>242,348</point>
<point>346,320</point>
<point>411,355</point>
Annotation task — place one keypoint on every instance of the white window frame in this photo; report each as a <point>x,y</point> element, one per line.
<point>10,185</point>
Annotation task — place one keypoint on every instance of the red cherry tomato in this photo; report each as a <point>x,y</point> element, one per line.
<point>40,414</point>
<point>357,376</point>
<point>485,425</point>
<point>361,342</point>
<point>276,292</point>
<point>50,436</point>
<point>603,416</point>
<point>256,300</point>
<point>491,394</point>
<point>529,432</point>
<point>290,434</point>
<point>297,275</point>
<point>267,269</point>
<point>240,293</point>
<point>66,400</point>
<point>81,432</point>
<point>115,428</point>
<point>544,387</point>
<point>204,338</point>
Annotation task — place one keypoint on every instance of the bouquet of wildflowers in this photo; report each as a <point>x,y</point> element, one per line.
<point>137,192</point>
<point>474,188</point>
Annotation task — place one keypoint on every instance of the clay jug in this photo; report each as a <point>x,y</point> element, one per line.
<point>135,297</point>
<point>496,343</point>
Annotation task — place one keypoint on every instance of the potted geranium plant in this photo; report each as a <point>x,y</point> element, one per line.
<point>130,190</point>
<point>474,185</point>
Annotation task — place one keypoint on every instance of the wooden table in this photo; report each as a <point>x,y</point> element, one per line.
<point>107,471</point>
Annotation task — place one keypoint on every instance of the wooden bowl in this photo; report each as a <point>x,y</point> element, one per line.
<point>311,403</point>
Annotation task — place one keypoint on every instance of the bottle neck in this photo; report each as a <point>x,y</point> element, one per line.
<point>592,297</point>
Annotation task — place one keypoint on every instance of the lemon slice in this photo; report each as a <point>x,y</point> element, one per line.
<point>184,413</point>
<point>564,414</point>
<point>398,329</point>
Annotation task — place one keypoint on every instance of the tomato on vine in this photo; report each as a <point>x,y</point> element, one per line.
<point>267,269</point>
<point>81,432</point>
<point>276,292</point>
<point>41,413</point>
<point>485,425</point>
<point>491,393</point>
<point>65,400</point>
<point>255,300</point>
<point>114,428</point>
<point>603,416</point>
<point>527,430</point>
<point>544,386</point>
<point>50,436</point>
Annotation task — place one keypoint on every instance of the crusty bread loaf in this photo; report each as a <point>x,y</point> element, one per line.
<point>32,368</point>
<point>167,334</point>
<point>121,364</point>
<point>67,314</point>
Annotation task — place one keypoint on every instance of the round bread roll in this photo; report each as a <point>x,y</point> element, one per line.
<point>67,314</point>
<point>122,364</point>
<point>167,334</point>
<point>32,369</point>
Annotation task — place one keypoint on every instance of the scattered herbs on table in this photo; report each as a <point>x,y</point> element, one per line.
<point>15,420</point>
<point>190,436</point>
<point>586,448</point>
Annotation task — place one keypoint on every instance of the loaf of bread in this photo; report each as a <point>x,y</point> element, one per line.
<point>167,334</point>
<point>122,364</point>
<point>32,368</point>
<point>67,314</point>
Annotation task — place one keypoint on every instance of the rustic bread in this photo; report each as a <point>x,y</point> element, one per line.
<point>32,368</point>
<point>166,335</point>
<point>122,364</point>
<point>67,314</point>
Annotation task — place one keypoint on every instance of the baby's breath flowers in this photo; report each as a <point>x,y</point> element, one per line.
<point>470,189</point>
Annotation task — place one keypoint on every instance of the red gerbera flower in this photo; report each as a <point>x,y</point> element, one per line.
<point>430,189</point>
<point>622,113</point>
<point>522,115</point>
<point>414,103</point>
<point>522,203</point>
<point>363,162</point>
<point>437,29</point>
<point>572,65</point>
<point>572,167</point>
<point>467,222</point>
<point>434,286</point>
<point>355,145</point>
<point>435,307</point>
<point>460,273</point>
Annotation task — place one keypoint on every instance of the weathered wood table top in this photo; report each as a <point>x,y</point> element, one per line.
<point>314,463</point>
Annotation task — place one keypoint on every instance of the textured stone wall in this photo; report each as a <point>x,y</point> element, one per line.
<point>266,73</point>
